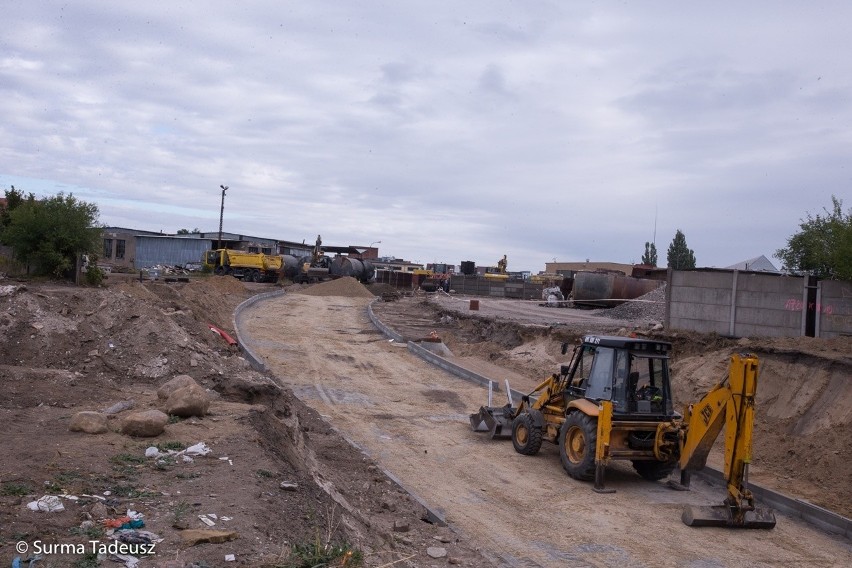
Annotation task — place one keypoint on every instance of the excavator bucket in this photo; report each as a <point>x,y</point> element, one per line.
<point>496,420</point>
<point>723,516</point>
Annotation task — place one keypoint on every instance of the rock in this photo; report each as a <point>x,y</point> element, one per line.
<point>166,390</point>
<point>453,560</point>
<point>146,424</point>
<point>436,551</point>
<point>289,485</point>
<point>99,511</point>
<point>120,406</point>
<point>188,401</point>
<point>191,537</point>
<point>401,526</point>
<point>89,422</point>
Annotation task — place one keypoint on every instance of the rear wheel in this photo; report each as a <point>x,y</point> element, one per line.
<point>653,470</point>
<point>578,438</point>
<point>526,437</point>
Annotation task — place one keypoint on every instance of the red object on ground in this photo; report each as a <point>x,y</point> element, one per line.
<point>222,333</point>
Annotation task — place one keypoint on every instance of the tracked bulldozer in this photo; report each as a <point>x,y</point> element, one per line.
<point>613,401</point>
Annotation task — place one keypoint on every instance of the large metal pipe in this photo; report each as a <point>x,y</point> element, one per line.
<point>289,265</point>
<point>607,290</point>
<point>361,270</point>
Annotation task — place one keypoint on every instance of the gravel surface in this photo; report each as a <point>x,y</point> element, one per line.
<point>648,309</point>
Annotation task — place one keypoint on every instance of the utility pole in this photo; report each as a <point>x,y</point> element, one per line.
<point>222,214</point>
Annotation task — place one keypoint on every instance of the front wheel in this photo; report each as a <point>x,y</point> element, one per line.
<point>526,437</point>
<point>220,271</point>
<point>578,439</point>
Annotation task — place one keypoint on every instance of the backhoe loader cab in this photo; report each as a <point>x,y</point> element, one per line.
<point>633,374</point>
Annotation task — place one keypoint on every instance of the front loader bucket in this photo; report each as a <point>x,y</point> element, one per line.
<point>496,421</point>
<point>722,516</point>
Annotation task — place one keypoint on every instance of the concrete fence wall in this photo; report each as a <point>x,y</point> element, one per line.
<point>743,304</point>
<point>834,308</point>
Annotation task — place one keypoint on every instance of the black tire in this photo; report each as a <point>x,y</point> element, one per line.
<point>526,437</point>
<point>220,271</point>
<point>254,276</point>
<point>654,470</point>
<point>578,438</point>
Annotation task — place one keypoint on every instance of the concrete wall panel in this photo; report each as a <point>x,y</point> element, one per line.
<point>767,305</point>
<point>835,309</point>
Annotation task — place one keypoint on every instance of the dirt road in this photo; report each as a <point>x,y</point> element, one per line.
<point>522,511</point>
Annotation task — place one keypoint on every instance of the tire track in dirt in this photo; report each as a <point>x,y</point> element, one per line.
<point>520,510</point>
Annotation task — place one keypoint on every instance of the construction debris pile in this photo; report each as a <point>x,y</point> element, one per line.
<point>648,308</point>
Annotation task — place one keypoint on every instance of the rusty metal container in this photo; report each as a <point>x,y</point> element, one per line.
<point>600,289</point>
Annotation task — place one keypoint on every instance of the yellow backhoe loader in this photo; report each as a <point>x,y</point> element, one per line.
<point>613,401</point>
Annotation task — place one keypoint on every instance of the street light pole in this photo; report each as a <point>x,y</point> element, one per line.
<point>222,214</point>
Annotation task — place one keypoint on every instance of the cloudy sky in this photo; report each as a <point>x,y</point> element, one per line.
<point>447,130</point>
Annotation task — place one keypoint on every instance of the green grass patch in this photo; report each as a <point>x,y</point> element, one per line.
<point>171,446</point>
<point>130,492</point>
<point>14,489</point>
<point>318,555</point>
<point>264,473</point>
<point>123,459</point>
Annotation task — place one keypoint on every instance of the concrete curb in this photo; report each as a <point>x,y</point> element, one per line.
<point>815,515</point>
<point>382,327</point>
<point>254,360</point>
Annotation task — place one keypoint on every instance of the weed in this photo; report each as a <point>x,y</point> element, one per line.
<point>322,552</point>
<point>167,446</point>
<point>67,477</point>
<point>127,459</point>
<point>165,463</point>
<point>318,555</point>
<point>180,511</point>
<point>93,533</point>
<point>193,475</point>
<point>264,473</point>
<point>11,488</point>
<point>88,561</point>
<point>130,492</point>
<point>174,419</point>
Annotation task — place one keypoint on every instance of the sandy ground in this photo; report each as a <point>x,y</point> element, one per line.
<point>521,511</point>
<point>64,349</point>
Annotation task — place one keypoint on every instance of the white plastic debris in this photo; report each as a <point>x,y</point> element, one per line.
<point>199,449</point>
<point>206,521</point>
<point>152,452</point>
<point>230,558</point>
<point>48,503</point>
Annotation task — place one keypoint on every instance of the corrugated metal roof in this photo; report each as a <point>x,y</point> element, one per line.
<point>756,264</point>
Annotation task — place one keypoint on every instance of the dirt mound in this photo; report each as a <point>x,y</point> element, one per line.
<point>346,287</point>
<point>65,349</point>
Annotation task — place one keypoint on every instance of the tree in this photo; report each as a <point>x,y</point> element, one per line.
<point>823,245</point>
<point>48,234</point>
<point>680,256</point>
<point>14,198</point>
<point>195,231</point>
<point>650,256</point>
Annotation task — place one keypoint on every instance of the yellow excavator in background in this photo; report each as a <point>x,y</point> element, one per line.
<point>613,401</point>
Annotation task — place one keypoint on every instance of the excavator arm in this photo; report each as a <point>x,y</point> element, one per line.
<point>730,404</point>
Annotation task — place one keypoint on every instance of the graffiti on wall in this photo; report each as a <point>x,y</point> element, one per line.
<point>794,305</point>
